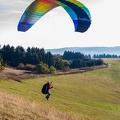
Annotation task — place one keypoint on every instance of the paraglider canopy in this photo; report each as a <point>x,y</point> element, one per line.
<point>79,14</point>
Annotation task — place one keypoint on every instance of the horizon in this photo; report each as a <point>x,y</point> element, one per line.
<point>87,47</point>
<point>61,47</point>
<point>101,50</point>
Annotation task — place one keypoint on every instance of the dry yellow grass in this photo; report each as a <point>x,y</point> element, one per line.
<point>13,107</point>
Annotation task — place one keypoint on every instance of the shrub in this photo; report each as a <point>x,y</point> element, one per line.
<point>1,67</point>
<point>100,62</point>
<point>21,66</point>
<point>67,68</point>
<point>42,68</point>
<point>29,67</point>
<point>52,69</point>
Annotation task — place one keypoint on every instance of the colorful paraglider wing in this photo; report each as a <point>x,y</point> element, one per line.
<point>34,12</point>
<point>79,14</point>
<point>77,11</point>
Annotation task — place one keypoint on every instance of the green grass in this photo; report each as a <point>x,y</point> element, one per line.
<point>93,95</point>
<point>115,71</point>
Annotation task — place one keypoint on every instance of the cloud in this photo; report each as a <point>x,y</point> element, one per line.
<point>11,11</point>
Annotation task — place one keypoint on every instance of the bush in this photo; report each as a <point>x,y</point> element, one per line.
<point>67,68</point>
<point>52,70</point>
<point>21,66</point>
<point>42,68</point>
<point>29,67</point>
<point>1,67</point>
<point>100,62</point>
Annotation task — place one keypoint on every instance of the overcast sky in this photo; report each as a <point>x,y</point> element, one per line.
<point>56,30</point>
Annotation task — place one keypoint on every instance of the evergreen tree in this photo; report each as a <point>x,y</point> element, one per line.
<point>19,56</point>
<point>42,55</point>
<point>49,58</point>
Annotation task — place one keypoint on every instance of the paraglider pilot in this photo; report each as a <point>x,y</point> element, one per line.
<point>49,87</point>
<point>46,89</point>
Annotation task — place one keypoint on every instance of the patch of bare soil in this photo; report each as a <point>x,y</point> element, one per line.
<point>18,75</point>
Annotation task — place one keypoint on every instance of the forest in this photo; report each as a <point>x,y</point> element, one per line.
<point>38,60</point>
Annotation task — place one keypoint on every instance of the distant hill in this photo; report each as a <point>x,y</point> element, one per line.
<point>87,50</point>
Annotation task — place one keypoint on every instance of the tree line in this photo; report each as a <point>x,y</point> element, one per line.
<point>44,62</point>
<point>78,60</point>
<point>106,56</point>
<point>13,56</point>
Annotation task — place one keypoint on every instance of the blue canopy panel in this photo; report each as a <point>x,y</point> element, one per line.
<point>78,13</point>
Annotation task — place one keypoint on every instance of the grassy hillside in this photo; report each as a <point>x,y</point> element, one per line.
<point>93,95</point>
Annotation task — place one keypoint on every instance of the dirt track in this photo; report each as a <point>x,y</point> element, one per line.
<point>18,75</point>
